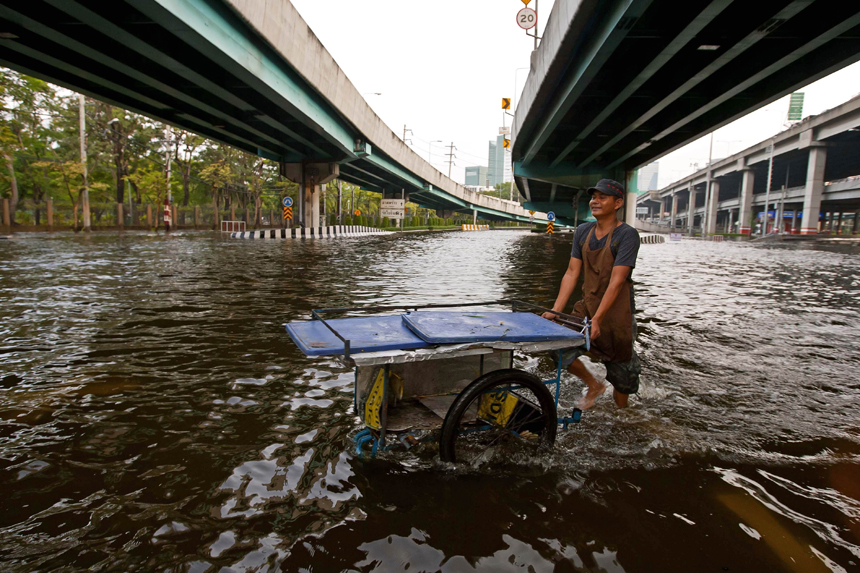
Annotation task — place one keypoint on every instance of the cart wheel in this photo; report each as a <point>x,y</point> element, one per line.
<point>503,414</point>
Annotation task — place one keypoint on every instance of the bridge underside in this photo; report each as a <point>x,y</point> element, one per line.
<point>196,65</point>
<point>625,82</point>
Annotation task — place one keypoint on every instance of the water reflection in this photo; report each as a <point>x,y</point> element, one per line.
<point>156,417</point>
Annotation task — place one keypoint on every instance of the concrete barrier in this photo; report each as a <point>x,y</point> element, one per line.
<point>651,239</point>
<point>333,232</point>
<point>476,227</point>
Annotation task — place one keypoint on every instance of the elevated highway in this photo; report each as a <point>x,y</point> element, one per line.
<point>815,181</point>
<point>616,84</point>
<point>249,73</point>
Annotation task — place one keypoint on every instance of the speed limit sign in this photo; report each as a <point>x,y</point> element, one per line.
<point>526,18</point>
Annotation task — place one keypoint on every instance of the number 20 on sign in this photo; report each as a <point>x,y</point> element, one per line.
<point>526,18</point>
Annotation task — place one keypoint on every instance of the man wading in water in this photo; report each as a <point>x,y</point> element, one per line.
<point>604,252</point>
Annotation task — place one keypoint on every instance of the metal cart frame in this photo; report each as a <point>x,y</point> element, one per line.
<point>377,440</point>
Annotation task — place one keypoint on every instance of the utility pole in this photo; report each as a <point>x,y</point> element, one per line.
<point>706,218</point>
<point>352,206</point>
<point>339,203</point>
<point>451,157</point>
<point>85,199</point>
<point>767,191</point>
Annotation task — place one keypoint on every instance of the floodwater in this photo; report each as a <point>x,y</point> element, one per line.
<point>156,417</point>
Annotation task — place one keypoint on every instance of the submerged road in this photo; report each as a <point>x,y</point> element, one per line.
<point>156,417</point>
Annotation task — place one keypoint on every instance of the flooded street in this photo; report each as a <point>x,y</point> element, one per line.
<point>155,416</point>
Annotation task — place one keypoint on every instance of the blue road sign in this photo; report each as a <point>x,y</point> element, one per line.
<point>550,216</point>
<point>287,201</point>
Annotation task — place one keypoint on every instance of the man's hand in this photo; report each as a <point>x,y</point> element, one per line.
<point>595,328</point>
<point>549,316</point>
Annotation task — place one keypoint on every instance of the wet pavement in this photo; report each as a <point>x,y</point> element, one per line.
<point>156,417</point>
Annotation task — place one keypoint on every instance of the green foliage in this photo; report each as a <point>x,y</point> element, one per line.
<point>347,220</point>
<point>386,222</point>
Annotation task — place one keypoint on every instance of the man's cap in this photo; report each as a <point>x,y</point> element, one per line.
<point>608,187</point>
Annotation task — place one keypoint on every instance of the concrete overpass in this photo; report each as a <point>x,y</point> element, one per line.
<point>248,73</point>
<point>815,181</point>
<point>616,84</point>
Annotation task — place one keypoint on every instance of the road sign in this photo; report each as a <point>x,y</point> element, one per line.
<point>506,103</point>
<point>357,212</point>
<point>287,201</point>
<point>531,218</point>
<point>526,19</point>
<point>549,228</point>
<point>504,131</point>
<point>526,2</point>
<point>795,107</point>
<point>392,208</point>
<point>531,212</point>
<point>288,213</point>
<point>642,210</point>
<point>550,216</point>
<point>506,143</point>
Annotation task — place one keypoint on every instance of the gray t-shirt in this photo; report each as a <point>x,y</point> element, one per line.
<point>625,243</point>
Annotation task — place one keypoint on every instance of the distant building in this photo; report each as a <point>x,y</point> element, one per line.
<point>648,177</point>
<point>497,171</point>
<point>476,176</point>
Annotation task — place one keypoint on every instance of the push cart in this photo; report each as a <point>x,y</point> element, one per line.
<point>434,374</point>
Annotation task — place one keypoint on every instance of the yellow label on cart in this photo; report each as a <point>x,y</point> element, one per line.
<point>497,407</point>
<point>373,406</point>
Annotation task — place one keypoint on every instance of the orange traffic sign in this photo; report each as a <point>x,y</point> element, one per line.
<point>507,143</point>
<point>506,103</point>
<point>526,2</point>
<point>357,212</point>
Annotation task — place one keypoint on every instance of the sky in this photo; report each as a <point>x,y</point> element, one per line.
<point>443,67</point>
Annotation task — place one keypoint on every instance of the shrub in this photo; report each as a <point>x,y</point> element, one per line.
<point>347,220</point>
<point>386,222</point>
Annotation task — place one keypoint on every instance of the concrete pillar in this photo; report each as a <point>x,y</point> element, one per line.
<point>691,209</point>
<point>814,190</point>
<point>838,229</point>
<point>149,221</point>
<point>312,204</point>
<point>730,226</point>
<point>794,221</point>
<point>711,208</point>
<point>120,221</point>
<point>196,216</point>
<point>50,208</point>
<point>856,228</point>
<point>745,210</point>
<point>474,217</point>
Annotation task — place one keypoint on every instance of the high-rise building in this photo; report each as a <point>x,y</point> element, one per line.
<point>648,177</point>
<point>476,175</point>
<point>496,170</point>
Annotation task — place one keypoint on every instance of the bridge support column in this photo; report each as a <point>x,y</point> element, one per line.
<point>745,210</point>
<point>730,226</point>
<point>310,176</point>
<point>856,227</point>
<point>794,221</point>
<point>474,217</point>
<point>691,209</point>
<point>711,209</point>
<point>814,190</point>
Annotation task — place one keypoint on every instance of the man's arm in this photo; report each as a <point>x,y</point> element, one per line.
<point>616,280</point>
<point>568,283</point>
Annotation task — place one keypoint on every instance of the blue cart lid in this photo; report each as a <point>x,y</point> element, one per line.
<point>459,327</point>
<point>365,334</point>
